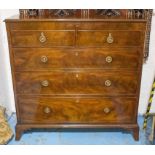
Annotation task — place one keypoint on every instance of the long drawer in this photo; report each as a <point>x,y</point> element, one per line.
<point>85,25</point>
<point>77,82</point>
<point>99,38</point>
<point>43,38</point>
<point>47,59</point>
<point>76,110</point>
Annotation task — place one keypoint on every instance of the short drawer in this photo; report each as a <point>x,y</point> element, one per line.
<point>43,25</point>
<point>42,38</point>
<point>77,82</point>
<point>91,38</point>
<point>76,110</point>
<point>113,25</point>
<point>47,59</point>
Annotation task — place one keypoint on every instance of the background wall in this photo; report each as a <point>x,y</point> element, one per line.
<point>148,74</point>
<point>6,91</point>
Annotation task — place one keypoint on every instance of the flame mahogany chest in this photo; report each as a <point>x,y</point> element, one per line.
<point>78,68</point>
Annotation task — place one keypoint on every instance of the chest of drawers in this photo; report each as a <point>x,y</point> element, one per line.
<point>81,73</point>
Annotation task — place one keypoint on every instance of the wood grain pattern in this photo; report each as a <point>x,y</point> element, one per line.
<point>68,90</point>
<point>80,110</point>
<point>82,25</point>
<point>99,38</point>
<point>53,38</point>
<point>60,58</point>
<point>84,38</point>
<point>112,25</point>
<point>77,82</point>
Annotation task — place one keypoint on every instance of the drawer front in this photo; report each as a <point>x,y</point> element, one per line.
<point>42,25</point>
<point>46,59</point>
<point>113,25</point>
<point>91,38</point>
<point>78,82</point>
<point>87,25</point>
<point>42,38</point>
<point>76,110</point>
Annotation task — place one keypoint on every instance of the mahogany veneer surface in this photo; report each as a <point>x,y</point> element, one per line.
<point>76,72</point>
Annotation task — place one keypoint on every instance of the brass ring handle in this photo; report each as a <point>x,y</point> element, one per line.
<point>108,59</point>
<point>44,59</point>
<point>45,83</point>
<point>42,38</point>
<point>110,39</point>
<point>47,110</point>
<point>107,83</point>
<point>106,110</point>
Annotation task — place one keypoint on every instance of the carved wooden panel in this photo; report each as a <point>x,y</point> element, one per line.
<point>88,13</point>
<point>62,12</point>
<point>108,12</point>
